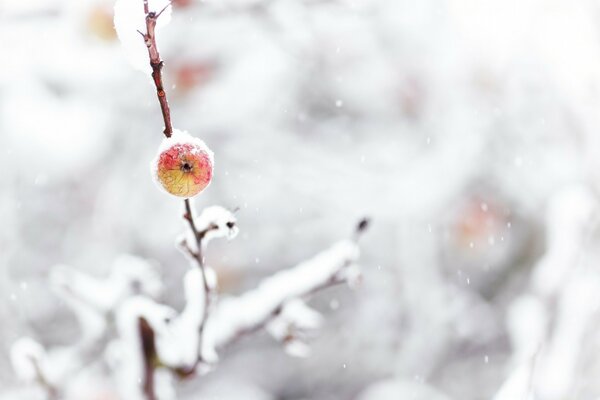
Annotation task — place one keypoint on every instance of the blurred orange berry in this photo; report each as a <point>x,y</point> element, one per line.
<point>100,23</point>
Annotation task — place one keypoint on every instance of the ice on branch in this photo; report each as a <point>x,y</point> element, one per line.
<point>130,20</point>
<point>236,316</point>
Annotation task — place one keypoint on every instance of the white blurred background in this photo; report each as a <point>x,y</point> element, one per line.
<point>467,130</point>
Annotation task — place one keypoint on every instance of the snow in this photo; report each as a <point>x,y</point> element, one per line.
<point>217,221</point>
<point>129,275</point>
<point>518,385</point>
<point>34,125</point>
<point>129,19</point>
<point>578,303</point>
<point>125,351</point>
<point>569,217</point>
<point>231,388</point>
<point>183,137</point>
<point>26,356</point>
<point>547,354</point>
<point>297,348</point>
<point>527,322</point>
<point>235,315</point>
<point>402,389</point>
<point>165,384</point>
<point>296,313</point>
<point>293,325</point>
<point>178,345</point>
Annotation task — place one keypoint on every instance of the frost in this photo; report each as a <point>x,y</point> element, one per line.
<point>130,21</point>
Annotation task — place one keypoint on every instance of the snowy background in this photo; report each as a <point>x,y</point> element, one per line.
<point>468,130</point>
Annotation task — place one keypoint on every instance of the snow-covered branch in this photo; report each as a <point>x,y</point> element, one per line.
<point>277,295</point>
<point>548,325</point>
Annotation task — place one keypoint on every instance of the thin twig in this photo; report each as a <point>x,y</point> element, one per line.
<point>199,258</point>
<point>156,63</point>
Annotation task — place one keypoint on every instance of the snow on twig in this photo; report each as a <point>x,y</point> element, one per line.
<point>237,316</point>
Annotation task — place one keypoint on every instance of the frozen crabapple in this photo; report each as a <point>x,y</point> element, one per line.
<point>183,166</point>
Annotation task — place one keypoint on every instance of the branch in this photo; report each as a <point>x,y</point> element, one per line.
<point>199,259</point>
<point>149,357</point>
<point>252,311</point>
<point>156,63</point>
<point>238,316</point>
<point>147,335</point>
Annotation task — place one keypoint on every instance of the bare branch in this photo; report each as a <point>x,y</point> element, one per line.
<point>156,63</point>
<point>199,258</point>
<point>149,356</point>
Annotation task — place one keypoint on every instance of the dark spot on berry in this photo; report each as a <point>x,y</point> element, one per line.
<point>186,167</point>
